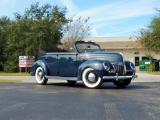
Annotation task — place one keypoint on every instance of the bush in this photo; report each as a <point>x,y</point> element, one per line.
<point>1,68</point>
<point>10,66</point>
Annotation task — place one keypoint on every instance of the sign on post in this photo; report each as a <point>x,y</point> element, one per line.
<point>26,61</point>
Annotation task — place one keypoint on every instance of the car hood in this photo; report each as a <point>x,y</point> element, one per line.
<point>113,57</point>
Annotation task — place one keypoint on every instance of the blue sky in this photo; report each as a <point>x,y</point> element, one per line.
<point>109,18</point>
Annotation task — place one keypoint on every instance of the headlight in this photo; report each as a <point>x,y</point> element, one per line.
<point>132,66</point>
<point>106,65</point>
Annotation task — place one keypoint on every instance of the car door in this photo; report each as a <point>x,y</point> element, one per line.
<point>52,64</point>
<point>67,64</point>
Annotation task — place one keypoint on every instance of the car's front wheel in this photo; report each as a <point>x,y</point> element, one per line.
<point>122,83</point>
<point>91,79</point>
<point>40,76</point>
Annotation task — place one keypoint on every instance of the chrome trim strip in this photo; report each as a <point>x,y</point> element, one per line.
<point>119,77</point>
<point>62,78</point>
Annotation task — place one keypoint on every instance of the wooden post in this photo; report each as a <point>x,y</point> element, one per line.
<point>20,70</point>
<point>25,69</point>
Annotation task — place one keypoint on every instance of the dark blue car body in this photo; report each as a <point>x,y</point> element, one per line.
<point>100,66</point>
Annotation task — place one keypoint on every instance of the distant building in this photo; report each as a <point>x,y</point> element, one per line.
<point>131,50</point>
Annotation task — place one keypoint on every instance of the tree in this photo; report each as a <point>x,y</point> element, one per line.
<point>150,38</point>
<point>4,21</point>
<point>77,29</point>
<point>38,27</point>
<point>155,31</point>
<point>148,43</point>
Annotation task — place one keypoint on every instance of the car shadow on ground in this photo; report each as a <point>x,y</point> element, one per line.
<point>105,85</point>
<point>65,84</point>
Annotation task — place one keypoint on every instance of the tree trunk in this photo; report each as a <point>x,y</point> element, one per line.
<point>151,66</point>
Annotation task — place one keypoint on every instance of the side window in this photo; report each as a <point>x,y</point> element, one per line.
<point>136,61</point>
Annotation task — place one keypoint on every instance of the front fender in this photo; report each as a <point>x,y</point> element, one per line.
<point>129,70</point>
<point>96,64</point>
<point>39,63</point>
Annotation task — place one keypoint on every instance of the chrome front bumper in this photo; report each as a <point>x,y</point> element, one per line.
<point>119,77</point>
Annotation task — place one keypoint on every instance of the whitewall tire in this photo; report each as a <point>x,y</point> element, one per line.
<point>90,79</point>
<point>40,76</point>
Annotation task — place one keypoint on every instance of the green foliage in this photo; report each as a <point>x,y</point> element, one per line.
<point>150,38</point>
<point>11,64</point>
<point>10,81</point>
<point>14,74</point>
<point>154,73</point>
<point>155,31</point>
<point>39,27</point>
<point>4,22</point>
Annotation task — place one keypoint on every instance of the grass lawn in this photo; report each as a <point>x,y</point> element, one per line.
<point>10,81</point>
<point>14,74</point>
<point>155,73</point>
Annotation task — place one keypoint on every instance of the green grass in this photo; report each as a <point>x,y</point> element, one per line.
<point>14,74</point>
<point>155,73</point>
<point>10,81</point>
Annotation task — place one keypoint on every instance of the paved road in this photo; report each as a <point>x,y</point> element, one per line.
<point>60,101</point>
<point>142,77</point>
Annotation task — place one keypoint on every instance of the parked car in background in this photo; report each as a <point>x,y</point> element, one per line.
<point>88,64</point>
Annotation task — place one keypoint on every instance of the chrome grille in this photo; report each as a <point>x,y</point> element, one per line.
<point>119,69</point>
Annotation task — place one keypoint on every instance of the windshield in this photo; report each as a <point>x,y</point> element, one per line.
<point>87,47</point>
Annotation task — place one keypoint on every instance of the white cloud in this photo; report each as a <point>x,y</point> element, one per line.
<point>7,2</point>
<point>4,2</point>
<point>120,10</point>
<point>94,32</point>
<point>122,31</point>
<point>113,13</point>
<point>71,7</point>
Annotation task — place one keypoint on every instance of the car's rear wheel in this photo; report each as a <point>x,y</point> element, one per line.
<point>122,83</point>
<point>40,76</point>
<point>91,79</point>
<point>71,82</point>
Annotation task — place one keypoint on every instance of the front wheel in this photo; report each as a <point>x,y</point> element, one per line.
<point>90,78</point>
<point>122,83</point>
<point>40,76</point>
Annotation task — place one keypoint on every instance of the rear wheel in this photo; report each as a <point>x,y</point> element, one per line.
<point>91,79</point>
<point>40,76</point>
<point>122,83</point>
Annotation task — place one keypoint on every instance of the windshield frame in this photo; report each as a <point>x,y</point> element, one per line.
<point>89,44</point>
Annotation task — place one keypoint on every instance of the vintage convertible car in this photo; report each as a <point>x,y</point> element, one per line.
<point>88,63</point>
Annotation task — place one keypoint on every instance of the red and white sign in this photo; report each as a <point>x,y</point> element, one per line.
<point>26,61</point>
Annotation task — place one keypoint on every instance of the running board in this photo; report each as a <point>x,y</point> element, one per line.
<point>62,78</point>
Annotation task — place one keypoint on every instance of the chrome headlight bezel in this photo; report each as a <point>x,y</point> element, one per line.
<point>106,66</point>
<point>132,66</point>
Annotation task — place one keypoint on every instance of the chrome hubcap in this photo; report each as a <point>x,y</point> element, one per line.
<point>92,77</point>
<point>40,73</point>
